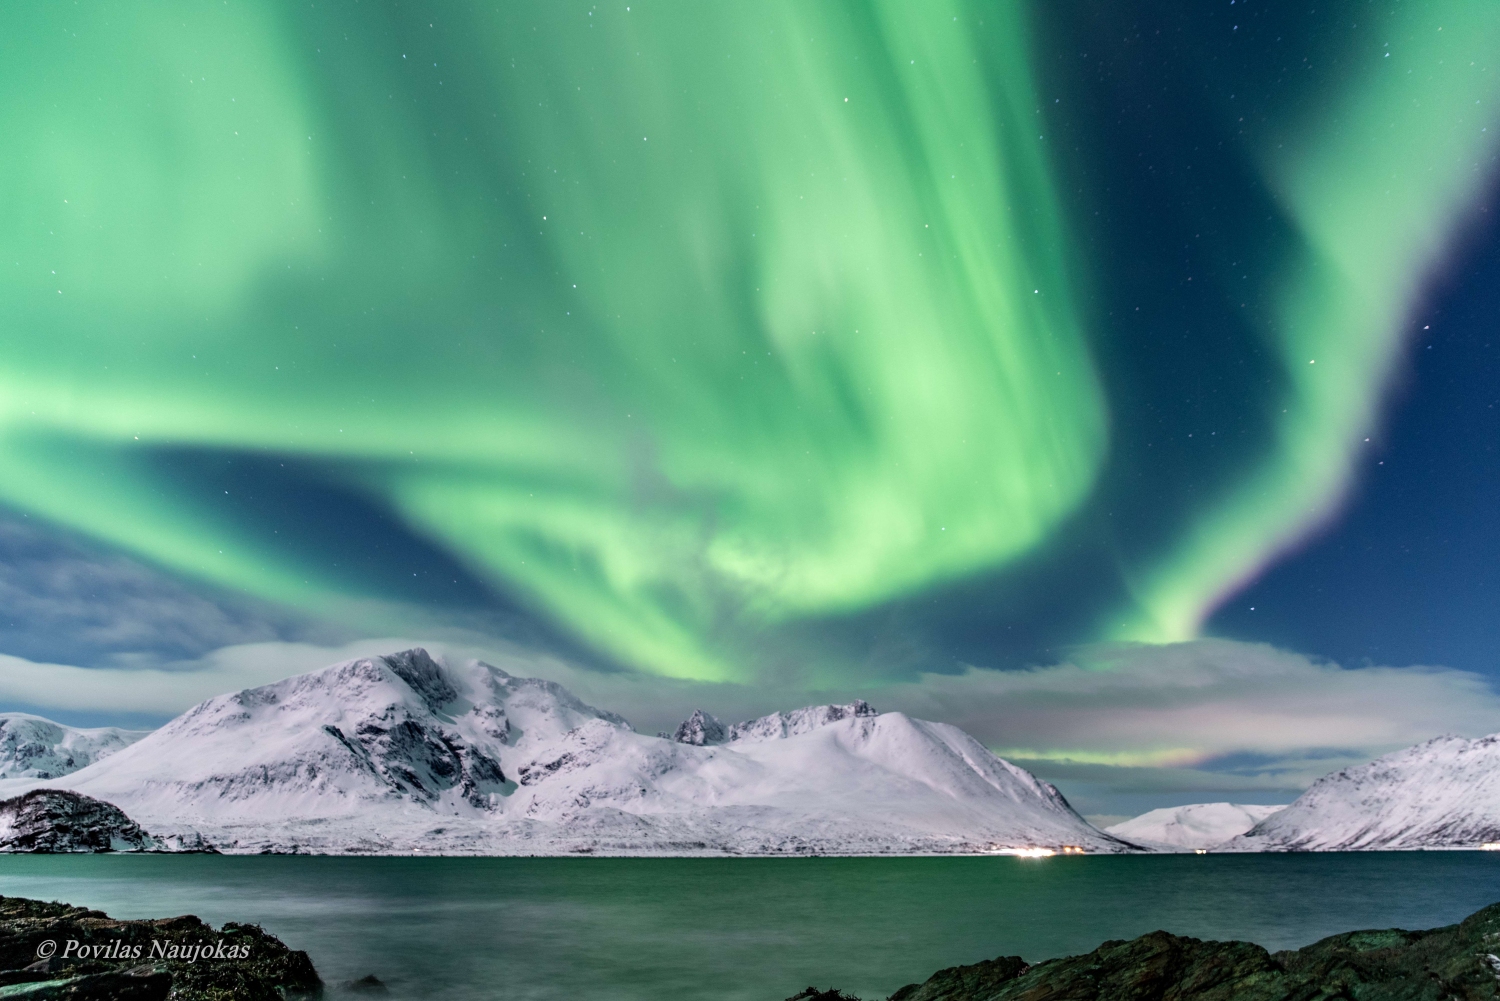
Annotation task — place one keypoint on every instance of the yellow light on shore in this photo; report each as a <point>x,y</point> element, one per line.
<point>1490,846</point>
<point>1034,851</point>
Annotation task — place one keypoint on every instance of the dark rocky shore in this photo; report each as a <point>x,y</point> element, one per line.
<point>93,957</point>
<point>1456,963</point>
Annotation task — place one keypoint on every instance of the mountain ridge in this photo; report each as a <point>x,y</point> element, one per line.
<point>404,753</point>
<point>35,747</point>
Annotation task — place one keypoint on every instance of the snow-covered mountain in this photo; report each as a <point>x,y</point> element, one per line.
<point>35,748</point>
<point>1186,828</point>
<point>1444,793</point>
<point>402,753</point>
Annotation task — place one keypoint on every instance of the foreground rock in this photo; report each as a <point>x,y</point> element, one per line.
<point>97,958</point>
<point>55,821</point>
<point>1456,963</point>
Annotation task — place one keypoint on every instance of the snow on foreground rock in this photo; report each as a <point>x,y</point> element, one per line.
<point>1188,828</point>
<point>35,748</point>
<point>1444,793</point>
<point>400,753</point>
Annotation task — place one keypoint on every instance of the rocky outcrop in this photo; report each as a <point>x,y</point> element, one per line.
<point>705,730</point>
<point>701,729</point>
<point>96,958</point>
<point>56,821</point>
<point>1457,962</point>
<point>981,980</point>
<point>790,724</point>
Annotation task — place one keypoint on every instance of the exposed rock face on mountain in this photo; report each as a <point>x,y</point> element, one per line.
<point>1456,962</point>
<point>401,753</point>
<point>790,724</point>
<point>56,821</point>
<point>1444,793</point>
<point>1186,828</point>
<point>701,729</point>
<point>36,748</point>
<point>181,958</point>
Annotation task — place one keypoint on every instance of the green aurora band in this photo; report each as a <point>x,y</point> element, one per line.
<point>1376,179</point>
<point>682,322</point>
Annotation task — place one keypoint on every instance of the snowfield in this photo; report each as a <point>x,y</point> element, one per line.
<point>403,754</point>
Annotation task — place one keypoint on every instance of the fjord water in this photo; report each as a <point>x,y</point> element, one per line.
<point>749,929</point>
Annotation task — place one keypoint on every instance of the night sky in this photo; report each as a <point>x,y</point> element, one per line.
<point>791,346</point>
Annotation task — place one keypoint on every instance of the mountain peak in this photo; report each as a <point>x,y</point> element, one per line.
<point>701,729</point>
<point>425,676</point>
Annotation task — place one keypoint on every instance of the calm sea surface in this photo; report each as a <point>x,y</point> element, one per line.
<point>751,929</point>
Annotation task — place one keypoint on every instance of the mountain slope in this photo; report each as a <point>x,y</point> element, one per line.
<point>1185,828</point>
<point>867,783</point>
<point>399,731</point>
<point>35,748</point>
<point>402,753</point>
<point>1444,793</point>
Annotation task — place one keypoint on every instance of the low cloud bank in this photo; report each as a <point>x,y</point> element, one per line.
<point>153,691</point>
<point>1188,703</point>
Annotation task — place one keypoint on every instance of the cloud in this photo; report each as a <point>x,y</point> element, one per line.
<point>64,598</point>
<point>163,690</point>
<point>1127,728</point>
<point>1190,703</point>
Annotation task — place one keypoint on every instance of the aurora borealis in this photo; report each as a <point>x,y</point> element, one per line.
<point>727,341</point>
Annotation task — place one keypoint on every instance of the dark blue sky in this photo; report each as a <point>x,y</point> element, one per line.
<point>1409,573</point>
